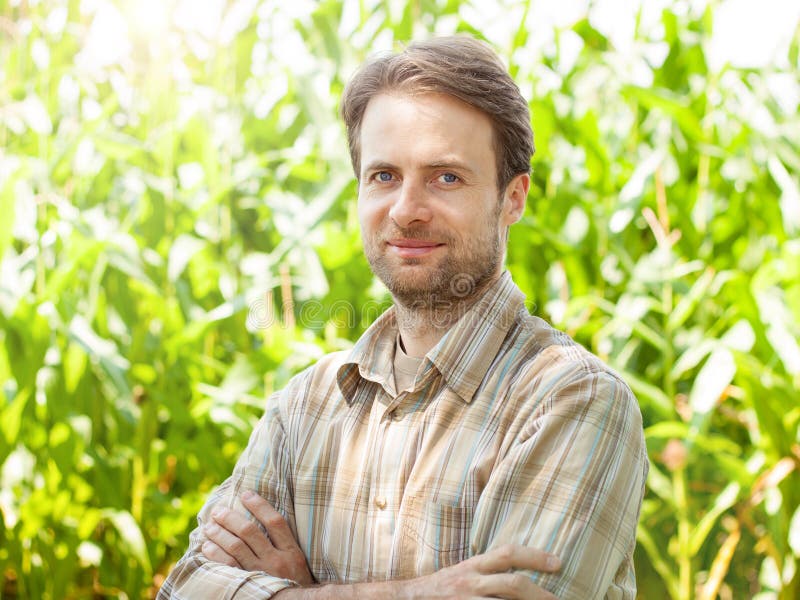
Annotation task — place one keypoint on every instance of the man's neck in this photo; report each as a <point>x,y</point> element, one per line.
<point>421,328</point>
<point>418,332</point>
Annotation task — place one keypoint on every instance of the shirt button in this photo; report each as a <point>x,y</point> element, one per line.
<point>380,502</point>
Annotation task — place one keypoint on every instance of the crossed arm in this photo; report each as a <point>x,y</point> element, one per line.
<point>235,540</point>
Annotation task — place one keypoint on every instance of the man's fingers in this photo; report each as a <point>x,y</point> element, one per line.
<point>509,557</point>
<point>279,532</point>
<point>512,585</point>
<point>240,537</point>
<point>243,528</point>
<point>214,553</point>
<point>231,543</point>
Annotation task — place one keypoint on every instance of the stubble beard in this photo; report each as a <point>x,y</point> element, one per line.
<point>438,294</point>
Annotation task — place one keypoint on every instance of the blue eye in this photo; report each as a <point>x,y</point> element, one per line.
<point>384,176</point>
<point>449,178</point>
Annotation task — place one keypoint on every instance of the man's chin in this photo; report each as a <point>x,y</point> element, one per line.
<point>405,285</point>
<point>422,288</point>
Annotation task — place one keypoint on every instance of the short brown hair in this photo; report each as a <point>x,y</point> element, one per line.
<point>461,67</point>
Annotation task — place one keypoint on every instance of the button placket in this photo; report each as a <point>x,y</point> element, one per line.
<point>392,408</point>
<point>384,473</point>
<point>383,467</point>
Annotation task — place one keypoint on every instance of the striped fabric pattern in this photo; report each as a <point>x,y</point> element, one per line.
<point>512,433</point>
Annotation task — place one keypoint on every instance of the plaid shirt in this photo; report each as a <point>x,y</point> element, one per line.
<point>512,433</point>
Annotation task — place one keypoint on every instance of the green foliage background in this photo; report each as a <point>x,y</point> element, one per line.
<point>178,236</point>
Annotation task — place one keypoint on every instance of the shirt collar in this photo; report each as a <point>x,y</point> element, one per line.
<point>462,356</point>
<point>371,358</point>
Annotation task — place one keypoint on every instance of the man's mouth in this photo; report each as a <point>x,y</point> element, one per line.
<point>412,248</point>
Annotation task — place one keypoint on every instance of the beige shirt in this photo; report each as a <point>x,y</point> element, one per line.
<point>509,433</point>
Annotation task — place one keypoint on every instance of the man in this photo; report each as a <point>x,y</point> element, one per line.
<point>463,448</point>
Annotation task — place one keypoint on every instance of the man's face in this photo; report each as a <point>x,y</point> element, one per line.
<point>432,218</point>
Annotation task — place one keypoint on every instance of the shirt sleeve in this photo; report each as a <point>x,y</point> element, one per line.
<point>262,467</point>
<point>572,484</point>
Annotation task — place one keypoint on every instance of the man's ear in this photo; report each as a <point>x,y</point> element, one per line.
<point>514,198</point>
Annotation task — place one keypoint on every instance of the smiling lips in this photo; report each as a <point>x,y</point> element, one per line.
<point>408,248</point>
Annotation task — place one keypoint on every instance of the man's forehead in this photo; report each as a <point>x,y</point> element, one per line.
<point>436,129</point>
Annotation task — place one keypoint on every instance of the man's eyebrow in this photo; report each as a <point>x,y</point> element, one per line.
<point>445,163</point>
<point>450,164</point>
<point>378,165</point>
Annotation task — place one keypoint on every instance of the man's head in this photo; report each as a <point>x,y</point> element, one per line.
<point>461,67</point>
<point>441,146</point>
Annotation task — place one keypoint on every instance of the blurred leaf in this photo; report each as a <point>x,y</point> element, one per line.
<point>794,532</point>
<point>715,375</point>
<point>671,105</point>
<point>722,502</point>
<point>657,398</point>
<point>12,418</point>
<point>7,202</point>
<point>131,537</point>
<point>690,301</point>
<point>182,251</point>
<point>101,350</point>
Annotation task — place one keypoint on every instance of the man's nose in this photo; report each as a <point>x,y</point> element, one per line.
<point>411,204</point>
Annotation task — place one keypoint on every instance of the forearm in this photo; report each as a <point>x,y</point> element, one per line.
<point>377,590</point>
<point>486,575</point>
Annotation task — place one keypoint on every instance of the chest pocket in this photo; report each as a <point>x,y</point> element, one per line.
<point>434,536</point>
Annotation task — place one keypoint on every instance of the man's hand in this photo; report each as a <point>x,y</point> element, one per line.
<point>235,540</point>
<point>489,575</point>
